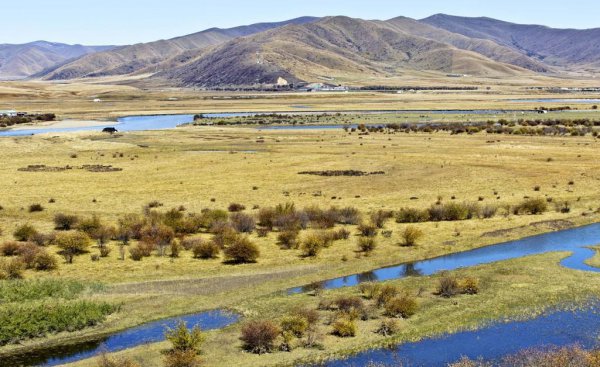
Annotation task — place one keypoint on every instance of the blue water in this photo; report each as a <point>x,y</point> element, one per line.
<point>147,333</point>
<point>574,240</point>
<point>159,122</point>
<point>554,329</point>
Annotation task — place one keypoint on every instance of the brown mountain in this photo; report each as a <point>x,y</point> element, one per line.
<point>335,46</point>
<point>131,59</point>
<point>21,61</point>
<point>559,47</point>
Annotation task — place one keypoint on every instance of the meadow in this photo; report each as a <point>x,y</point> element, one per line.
<point>198,168</point>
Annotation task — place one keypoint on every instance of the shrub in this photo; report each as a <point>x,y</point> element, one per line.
<point>489,211</point>
<point>205,249</point>
<point>259,336</point>
<point>469,285</point>
<point>243,222</point>
<point>90,225</point>
<point>448,286</point>
<point>288,239</point>
<point>366,244</point>
<point>72,244</point>
<point>11,269</point>
<point>242,250</point>
<point>310,315</point>
<point>531,206</point>
<point>367,230</point>
<point>225,237</point>
<point>10,248</point>
<point>410,215</point>
<point>44,261</point>
<point>388,327</point>
<point>344,327</point>
<point>349,215</point>
<point>136,253</point>
<point>295,325</point>
<point>312,245</point>
<point>158,235</point>
<point>36,208</point>
<point>403,306</point>
<point>181,358</point>
<point>349,304</point>
<point>384,294</point>
<point>64,222</point>
<point>380,217</point>
<point>107,361</point>
<point>369,289</point>
<point>24,232</point>
<point>175,249</point>
<point>341,234</point>
<point>266,217</point>
<point>184,339</point>
<point>411,235</point>
<point>236,207</point>
<point>27,253</point>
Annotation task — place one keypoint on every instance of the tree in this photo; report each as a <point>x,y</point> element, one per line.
<point>72,244</point>
<point>242,250</point>
<point>411,235</point>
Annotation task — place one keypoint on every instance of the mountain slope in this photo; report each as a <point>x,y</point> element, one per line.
<point>21,61</point>
<point>131,59</point>
<point>335,46</point>
<point>484,47</point>
<point>560,47</point>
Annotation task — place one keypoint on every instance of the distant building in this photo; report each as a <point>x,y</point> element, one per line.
<point>8,113</point>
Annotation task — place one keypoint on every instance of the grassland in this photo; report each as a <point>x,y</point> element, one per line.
<point>211,167</point>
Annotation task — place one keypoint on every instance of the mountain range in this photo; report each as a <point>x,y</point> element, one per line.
<point>312,49</point>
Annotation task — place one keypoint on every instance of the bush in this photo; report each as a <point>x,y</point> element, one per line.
<point>27,253</point>
<point>349,215</point>
<point>236,207</point>
<point>90,225</point>
<point>24,232</point>
<point>211,216</point>
<point>312,245</point>
<point>158,235</point>
<point>225,236</point>
<point>243,222</point>
<point>107,361</point>
<point>532,206</point>
<point>367,230</point>
<point>489,211</point>
<point>184,339</point>
<point>380,217</point>
<point>310,315</point>
<point>344,327</point>
<point>369,289</point>
<point>411,235</point>
<point>295,325</point>
<point>341,234</point>
<point>448,287</point>
<point>403,306</point>
<point>366,244</point>
<point>242,250</point>
<point>182,358</point>
<point>349,304</point>
<point>72,244</point>
<point>410,215</point>
<point>384,293</point>
<point>44,261</point>
<point>36,208</point>
<point>266,217</point>
<point>388,327</point>
<point>64,222</point>
<point>10,248</point>
<point>136,253</point>
<point>259,336</point>
<point>205,249</point>
<point>453,211</point>
<point>469,285</point>
<point>288,239</point>
<point>11,269</point>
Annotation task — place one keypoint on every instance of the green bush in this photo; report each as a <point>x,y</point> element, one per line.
<point>19,322</point>
<point>64,222</point>
<point>469,285</point>
<point>44,261</point>
<point>106,361</point>
<point>295,325</point>
<point>532,206</point>
<point>184,339</point>
<point>344,327</point>
<point>288,239</point>
<point>11,269</point>
<point>242,250</point>
<point>182,358</point>
<point>312,245</point>
<point>30,290</point>
<point>366,244</point>
<point>410,215</point>
<point>385,293</point>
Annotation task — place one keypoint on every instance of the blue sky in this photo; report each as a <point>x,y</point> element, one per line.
<point>131,21</point>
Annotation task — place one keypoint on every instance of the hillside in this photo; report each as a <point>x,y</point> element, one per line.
<point>131,59</point>
<point>20,61</point>
<point>331,47</point>
<point>559,47</point>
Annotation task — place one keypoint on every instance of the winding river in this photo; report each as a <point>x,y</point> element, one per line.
<point>498,339</point>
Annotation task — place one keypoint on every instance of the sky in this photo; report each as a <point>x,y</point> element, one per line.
<point>120,22</point>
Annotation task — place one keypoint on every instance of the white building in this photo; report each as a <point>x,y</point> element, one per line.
<point>8,113</point>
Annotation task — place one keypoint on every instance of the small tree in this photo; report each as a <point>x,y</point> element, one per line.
<point>241,251</point>
<point>64,222</point>
<point>184,339</point>
<point>72,244</point>
<point>411,236</point>
<point>25,232</point>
